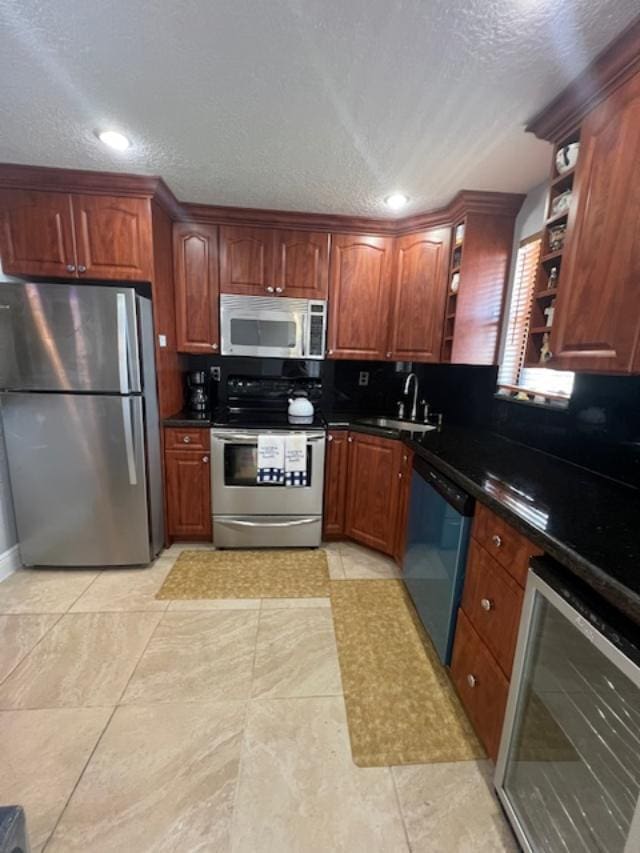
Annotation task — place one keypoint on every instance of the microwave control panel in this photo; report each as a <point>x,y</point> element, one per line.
<point>317,311</point>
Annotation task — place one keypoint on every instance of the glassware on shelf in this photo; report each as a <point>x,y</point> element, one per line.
<point>552,281</point>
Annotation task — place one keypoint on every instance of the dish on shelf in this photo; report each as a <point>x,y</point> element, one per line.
<point>566,157</point>
<point>459,234</point>
<point>561,203</point>
<point>455,282</point>
<point>556,237</point>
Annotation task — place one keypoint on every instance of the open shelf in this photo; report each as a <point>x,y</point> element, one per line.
<point>565,178</point>
<point>557,217</point>
<point>551,256</point>
<point>540,330</point>
<point>548,293</point>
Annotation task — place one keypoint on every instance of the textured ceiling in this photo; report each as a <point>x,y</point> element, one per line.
<point>318,105</point>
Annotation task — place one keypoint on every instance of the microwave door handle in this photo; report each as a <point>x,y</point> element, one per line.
<point>304,335</point>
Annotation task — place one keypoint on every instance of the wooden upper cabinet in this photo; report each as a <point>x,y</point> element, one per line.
<point>195,261</point>
<point>36,235</point>
<point>597,317</point>
<point>486,254</point>
<point>246,260</point>
<point>373,491</point>
<point>359,288</point>
<point>302,264</point>
<point>113,237</point>
<point>418,295</point>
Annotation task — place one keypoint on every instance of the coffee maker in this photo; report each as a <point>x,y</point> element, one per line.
<point>198,402</point>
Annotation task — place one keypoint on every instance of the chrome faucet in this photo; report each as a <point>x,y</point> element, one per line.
<point>414,407</point>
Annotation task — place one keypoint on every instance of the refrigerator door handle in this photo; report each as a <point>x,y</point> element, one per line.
<point>123,344</point>
<point>128,440</point>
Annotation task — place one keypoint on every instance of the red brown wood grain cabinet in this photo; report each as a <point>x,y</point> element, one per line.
<point>195,259</point>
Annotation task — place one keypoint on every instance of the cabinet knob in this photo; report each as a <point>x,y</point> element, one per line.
<point>405,458</point>
<point>269,289</point>
<point>71,267</point>
<point>329,438</point>
<point>186,439</point>
<point>497,540</point>
<point>399,475</point>
<point>278,290</point>
<point>214,346</point>
<point>349,439</point>
<point>205,458</point>
<point>82,268</point>
<point>330,352</point>
<point>471,680</point>
<point>486,604</point>
<point>388,355</point>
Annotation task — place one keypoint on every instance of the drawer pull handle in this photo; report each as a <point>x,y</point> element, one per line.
<point>486,604</point>
<point>186,439</point>
<point>471,680</point>
<point>497,540</point>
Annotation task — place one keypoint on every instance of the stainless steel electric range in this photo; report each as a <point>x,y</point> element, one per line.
<point>249,514</point>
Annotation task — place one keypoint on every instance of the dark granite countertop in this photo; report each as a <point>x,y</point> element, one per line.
<point>185,418</point>
<point>587,522</point>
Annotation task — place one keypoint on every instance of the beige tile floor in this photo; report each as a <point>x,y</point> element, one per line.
<point>130,724</point>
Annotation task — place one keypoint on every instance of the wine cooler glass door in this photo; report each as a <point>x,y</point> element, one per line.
<point>568,772</point>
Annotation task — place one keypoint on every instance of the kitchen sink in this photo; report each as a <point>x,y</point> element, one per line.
<point>395,424</point>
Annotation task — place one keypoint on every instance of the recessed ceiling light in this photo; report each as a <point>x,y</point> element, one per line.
<point>396,201</point>
<point>114,139</point>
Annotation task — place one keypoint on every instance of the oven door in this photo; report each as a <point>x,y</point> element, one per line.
<point>234,487</point>
<point>263,327</point>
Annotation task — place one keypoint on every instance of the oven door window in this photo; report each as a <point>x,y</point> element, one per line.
<point>241,467</point>
<point>278,333</point>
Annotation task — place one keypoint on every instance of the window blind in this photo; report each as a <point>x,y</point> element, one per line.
<point>541,380</point>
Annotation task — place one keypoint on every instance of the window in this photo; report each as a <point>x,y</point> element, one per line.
<point>514,378</point>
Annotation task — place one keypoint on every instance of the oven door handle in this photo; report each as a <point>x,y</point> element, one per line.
<point>294,523</point>
<point>253,439</point>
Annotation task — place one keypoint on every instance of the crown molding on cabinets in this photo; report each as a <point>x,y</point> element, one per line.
<point>45,178</point>
<point>618,62</point>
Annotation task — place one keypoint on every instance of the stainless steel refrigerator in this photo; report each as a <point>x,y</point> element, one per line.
<point>80,413</point>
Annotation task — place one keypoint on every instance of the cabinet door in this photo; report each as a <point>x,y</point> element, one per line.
<point>113,237</point>
<point>36,234</point>
<point>419,293</point>
<point>188,494</point>
<point>597,322</point>
<point>373,491</point>
<point>359,288</point>
<point>406,467</point>
<point>246,260</point>
<point>335,484</point>
<point>195,263</point>
<point>302,264</point>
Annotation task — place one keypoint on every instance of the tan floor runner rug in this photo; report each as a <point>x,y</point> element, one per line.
<point>295,573</point>
<point>401,706</point>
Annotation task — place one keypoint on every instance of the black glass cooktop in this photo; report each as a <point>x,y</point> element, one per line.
<point>261,418</point>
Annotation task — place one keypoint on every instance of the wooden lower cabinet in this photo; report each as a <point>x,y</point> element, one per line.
<point>188,490</point>
<point>488,621</point>
<point>335,484</point>
<point>406,467</point>
<point>373,491</point>
<point>481,684</point>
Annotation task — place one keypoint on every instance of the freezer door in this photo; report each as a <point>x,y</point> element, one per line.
<point>77,469</point>
<point>68,337</point>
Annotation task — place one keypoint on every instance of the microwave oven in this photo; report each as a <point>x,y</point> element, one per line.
<point>273,327</point>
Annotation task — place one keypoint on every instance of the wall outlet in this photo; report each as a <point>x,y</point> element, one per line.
<point>363,377</point>
<point>215,374</point>
<point>162,341</point>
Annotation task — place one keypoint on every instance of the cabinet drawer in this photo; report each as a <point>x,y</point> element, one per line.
<point>176,438</point>
<point>492,600</point>
<point>510,548</point>
<point>480,683</point>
